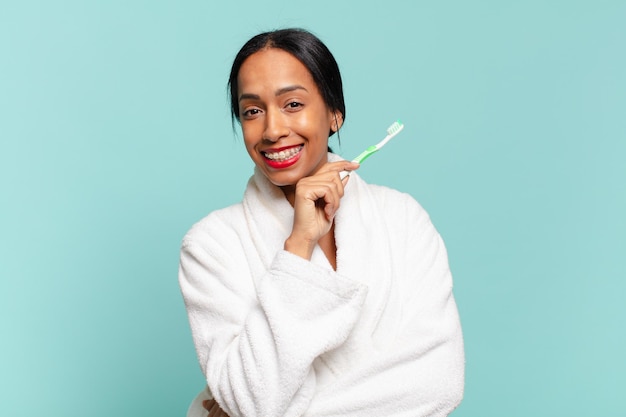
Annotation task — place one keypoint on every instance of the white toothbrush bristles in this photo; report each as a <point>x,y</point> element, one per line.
<point>392,130</point>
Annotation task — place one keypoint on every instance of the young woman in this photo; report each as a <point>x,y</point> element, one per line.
<point>315,296</point>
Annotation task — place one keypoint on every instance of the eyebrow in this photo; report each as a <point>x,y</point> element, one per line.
<point>289,89</point>
<point>277,93</point>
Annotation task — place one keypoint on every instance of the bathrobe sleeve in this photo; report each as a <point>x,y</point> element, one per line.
<point>421,371</point>
<point>256,337</point>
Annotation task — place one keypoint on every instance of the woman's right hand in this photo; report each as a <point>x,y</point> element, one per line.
<point>316,201</point>
<point>213,408</point>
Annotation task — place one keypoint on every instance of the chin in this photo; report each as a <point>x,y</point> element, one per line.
<point>282,180</point>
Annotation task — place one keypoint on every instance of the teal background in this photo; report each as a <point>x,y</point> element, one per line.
<point>116,138</point>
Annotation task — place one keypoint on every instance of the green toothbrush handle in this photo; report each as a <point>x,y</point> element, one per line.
<point>365,154</point>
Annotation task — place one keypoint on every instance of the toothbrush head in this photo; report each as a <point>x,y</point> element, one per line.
<point>392,131</point>
<point>395,128</point>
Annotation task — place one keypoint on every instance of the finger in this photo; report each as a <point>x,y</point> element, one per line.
<point>332,198</point>
<point>343,164</point>
<point>215,409</point>
<point>207,404</point>
<point>319,195</point>
<point>331,191</point>
<point>344,174</point>
<point>352,166</point>
<point>339,166</point>
<point>331,175</point>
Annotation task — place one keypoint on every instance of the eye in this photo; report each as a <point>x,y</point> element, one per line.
<point>294,105</point>
<point>250,113</point>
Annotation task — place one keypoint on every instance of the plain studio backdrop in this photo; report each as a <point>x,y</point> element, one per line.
<point>116,138</point>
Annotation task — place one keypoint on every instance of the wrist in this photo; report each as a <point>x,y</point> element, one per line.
<point>300,247</point>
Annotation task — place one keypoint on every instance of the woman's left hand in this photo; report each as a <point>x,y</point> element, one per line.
<point>213,408</point>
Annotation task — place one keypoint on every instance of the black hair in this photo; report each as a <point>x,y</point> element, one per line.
<point>305,47</point>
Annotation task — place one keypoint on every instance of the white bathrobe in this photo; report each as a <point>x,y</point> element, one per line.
<point>277,335</point>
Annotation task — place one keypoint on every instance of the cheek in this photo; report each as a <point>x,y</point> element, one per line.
<point>315,123</point>
<point>249,136</point>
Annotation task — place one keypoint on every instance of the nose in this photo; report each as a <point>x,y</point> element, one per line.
<point>276,126</point>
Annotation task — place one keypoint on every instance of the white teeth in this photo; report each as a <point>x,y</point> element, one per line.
<point>283,155</point>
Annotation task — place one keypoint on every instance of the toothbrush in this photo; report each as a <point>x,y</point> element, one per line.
<point>392,131</point>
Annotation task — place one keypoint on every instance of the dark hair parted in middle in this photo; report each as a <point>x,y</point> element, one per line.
<point>305,47</point>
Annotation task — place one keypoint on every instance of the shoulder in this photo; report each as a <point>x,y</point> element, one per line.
<point>402,215</point>
<point>221,224</point>
<point>396,204</point>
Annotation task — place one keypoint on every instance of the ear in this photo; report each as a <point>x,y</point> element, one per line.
<point>336,120</point>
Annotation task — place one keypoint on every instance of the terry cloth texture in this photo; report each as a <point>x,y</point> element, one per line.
<point>277,335</point>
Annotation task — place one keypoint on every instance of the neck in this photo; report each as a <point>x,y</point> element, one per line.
<point>290,193</point>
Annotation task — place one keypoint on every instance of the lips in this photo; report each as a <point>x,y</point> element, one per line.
<point>282,157</point>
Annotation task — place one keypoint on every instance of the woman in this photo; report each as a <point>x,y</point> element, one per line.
<point>316,296</point>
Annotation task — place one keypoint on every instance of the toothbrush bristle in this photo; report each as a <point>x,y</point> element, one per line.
<point>395,128</point>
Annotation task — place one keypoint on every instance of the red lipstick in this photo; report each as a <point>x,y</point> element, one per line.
<point>281,164</point>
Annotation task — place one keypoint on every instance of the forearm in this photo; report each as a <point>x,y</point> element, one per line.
<point>419,373</point>
<point>257,352</point>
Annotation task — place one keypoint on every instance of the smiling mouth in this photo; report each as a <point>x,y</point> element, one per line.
<point>283,155</point>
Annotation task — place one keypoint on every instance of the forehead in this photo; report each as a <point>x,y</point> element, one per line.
<point>273,68</point>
